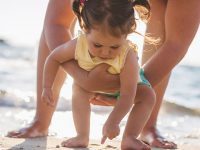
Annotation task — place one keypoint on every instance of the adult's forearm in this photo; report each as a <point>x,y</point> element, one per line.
<point>103,82</point>
<point>98,81</point>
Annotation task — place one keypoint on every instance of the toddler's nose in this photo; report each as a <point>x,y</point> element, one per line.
<point>105,53</point>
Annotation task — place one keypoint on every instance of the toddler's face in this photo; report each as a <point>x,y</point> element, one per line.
<point>104,45</point>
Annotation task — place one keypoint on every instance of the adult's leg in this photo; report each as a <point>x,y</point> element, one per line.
<point>41,122</point>
<point>156,27</point>
<point>81,115</point>
<point>181,24</point>
<point>55,32</point>
<point>180,28</point>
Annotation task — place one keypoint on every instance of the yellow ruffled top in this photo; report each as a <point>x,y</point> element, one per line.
<point>86,62</point>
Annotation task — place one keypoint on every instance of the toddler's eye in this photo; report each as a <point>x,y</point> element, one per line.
<point>97,45</point>
<point>114,47</point>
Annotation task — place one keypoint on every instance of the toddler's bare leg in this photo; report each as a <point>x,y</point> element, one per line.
<point>81,115</point>
<point>144,102</point>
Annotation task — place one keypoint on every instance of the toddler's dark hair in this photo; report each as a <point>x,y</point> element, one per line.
<point>115,16</point>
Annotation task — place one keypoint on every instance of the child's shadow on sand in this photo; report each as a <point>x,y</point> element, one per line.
<point>31,144</point>
<point>43,144</point>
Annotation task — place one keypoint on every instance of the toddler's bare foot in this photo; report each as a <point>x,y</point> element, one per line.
<point>76,142</point>
<point>31,131</point>
<point>154,139</point>
<point>132,143</point>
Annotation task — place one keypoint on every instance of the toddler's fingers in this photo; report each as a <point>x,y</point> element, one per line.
<point>51,100</point>
<point>104,66</point>
<point>48,101</point>
<point>103,139</point>
<point>52,103</point>
<point>101,68</point>
<point>110,137</point>
<point>45,99</point>
<point>113,135</point>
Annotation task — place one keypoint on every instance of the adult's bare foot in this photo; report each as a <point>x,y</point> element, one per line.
<point>152,137</point>
<point>76,142</point>
<point>132,143</point>
<point>32,131</point>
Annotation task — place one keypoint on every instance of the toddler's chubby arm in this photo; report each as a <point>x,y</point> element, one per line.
<point>128,81</point>
<point>61,54</point>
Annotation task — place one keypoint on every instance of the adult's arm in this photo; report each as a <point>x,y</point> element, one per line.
<point>57,24</point>
<point>96,80</point>
<point>181,25</point>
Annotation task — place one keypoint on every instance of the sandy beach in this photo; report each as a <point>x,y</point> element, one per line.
<point>52,143</point>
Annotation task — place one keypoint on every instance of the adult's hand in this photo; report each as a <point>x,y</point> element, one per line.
<point>96,80</point>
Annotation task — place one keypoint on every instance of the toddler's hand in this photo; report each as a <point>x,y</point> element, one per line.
<point>47,96</point>
<point>110,131</point>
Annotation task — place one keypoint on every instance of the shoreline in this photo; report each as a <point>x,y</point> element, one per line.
<point>53,143</point>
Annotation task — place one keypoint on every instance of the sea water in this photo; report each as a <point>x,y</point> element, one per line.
<point>20,28</point>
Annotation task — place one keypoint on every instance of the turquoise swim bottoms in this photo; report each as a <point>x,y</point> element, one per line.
<point>143,81</point>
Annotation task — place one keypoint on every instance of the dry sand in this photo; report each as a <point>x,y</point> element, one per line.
<point>52,143</point>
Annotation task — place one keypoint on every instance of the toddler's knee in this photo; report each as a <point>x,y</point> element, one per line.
<point>146,95</point>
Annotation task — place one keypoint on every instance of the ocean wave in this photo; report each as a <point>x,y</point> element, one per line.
<point>20,100</point>
<point>174,108</point>
<point>26,101</point>
<point>9,52</point>
<point>3,42</point>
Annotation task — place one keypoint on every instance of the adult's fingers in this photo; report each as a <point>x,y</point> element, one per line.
<point>102,67</point>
